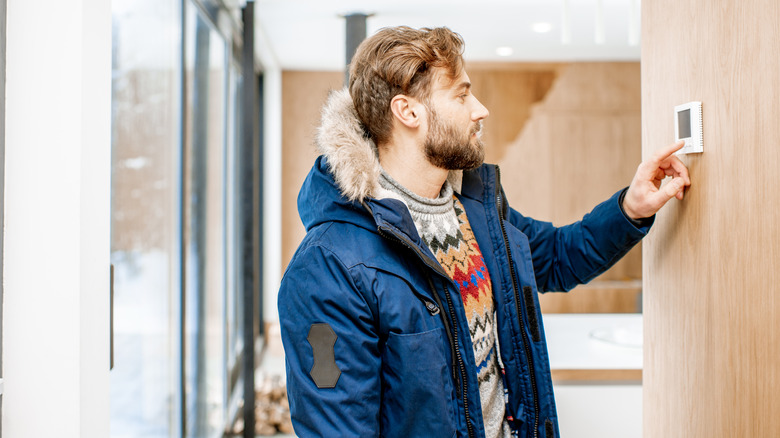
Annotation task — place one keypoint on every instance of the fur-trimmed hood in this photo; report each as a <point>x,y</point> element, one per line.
<point>350,153</point>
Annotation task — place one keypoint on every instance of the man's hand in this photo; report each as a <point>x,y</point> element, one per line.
<point>645,195</point>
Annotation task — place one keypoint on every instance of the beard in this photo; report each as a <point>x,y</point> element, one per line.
<point>448,148</point>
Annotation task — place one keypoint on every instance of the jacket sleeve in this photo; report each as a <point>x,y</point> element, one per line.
<point>318,290</point>
<point>564,257</point>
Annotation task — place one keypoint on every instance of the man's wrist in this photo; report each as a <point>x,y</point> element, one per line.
<point>640,222</point>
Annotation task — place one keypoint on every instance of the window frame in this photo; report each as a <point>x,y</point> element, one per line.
<point>3,9</point>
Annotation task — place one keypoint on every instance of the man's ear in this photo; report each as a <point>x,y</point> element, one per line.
<point>407,110</point>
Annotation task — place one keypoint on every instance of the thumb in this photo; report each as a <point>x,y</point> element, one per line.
<point>670,190</point>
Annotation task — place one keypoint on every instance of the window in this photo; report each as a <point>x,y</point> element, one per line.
<point>204,236</point>
<point>178,221</point>
<point>2,182</point>
<point>145,193</point>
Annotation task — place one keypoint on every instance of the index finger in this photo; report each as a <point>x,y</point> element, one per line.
<point>677,168</point>
<point>666,152</point>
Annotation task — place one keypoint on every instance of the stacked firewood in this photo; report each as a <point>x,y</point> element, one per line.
<point>272,409</point>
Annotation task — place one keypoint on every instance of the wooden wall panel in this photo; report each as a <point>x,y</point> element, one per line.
<point>509,94</point>
<point>303,94</point>
<point>712,261</point>
<point>581,145</point>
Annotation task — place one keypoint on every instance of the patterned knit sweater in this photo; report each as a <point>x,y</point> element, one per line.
<point>444,227</point>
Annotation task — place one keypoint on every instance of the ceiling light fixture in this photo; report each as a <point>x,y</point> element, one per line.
<point>504,51</point>
<point>565,23</point>
<point>541,27</point>
<point>633,24</point>
<point>600,37</point>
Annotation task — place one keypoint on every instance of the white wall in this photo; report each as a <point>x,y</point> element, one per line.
<point>271,173</point>
<point>57,212</point>
<point>599,410</point>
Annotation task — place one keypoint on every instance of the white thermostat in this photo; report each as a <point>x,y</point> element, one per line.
<point>688,127</point>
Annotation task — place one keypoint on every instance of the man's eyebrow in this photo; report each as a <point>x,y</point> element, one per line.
<point>465,85</point>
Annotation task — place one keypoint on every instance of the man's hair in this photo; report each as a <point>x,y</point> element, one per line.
<point>399,60</point>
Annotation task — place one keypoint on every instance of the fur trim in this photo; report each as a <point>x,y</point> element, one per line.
<point>352,156</point>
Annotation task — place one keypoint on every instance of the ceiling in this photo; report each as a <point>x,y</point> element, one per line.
<point>310,34</point>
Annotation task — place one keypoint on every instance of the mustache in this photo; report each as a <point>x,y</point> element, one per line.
<point>477,129</point>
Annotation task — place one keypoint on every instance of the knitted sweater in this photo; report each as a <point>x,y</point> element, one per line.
<point>444,227</point>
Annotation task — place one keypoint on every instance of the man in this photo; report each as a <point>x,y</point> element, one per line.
<point>410,308</point>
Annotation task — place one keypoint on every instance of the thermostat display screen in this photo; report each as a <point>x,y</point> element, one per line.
<point>684,123</point>
<point>688,127</point>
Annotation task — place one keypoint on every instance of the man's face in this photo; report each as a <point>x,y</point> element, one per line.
<point>454,125</point>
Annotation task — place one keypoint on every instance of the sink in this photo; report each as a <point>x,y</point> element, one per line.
<point>623,336</point>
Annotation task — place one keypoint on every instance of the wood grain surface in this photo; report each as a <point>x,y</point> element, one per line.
<point>597,376</point>
<point>581,144</point>
<point>712,261</point>
<point>303,94</point>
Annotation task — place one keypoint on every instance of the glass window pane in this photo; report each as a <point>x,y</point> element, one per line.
<point>2,177</point>
<point>235,281</point>
<point>205,227</point>
<point>144,217</point>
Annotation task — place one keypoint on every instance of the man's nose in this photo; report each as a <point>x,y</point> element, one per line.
<point>479,112</point>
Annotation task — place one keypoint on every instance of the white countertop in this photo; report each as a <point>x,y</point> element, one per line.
<point>594,341</point>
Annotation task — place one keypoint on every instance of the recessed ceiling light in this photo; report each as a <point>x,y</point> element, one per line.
<point>504,51</point>
<point>541,27</point>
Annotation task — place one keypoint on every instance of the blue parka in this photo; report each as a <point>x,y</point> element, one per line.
<point>375,334</point>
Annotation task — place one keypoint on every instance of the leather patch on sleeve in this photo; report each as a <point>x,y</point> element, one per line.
<point>322,339</point>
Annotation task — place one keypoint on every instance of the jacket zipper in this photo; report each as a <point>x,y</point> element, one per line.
<point>389,234</point>
<point>520,312</point>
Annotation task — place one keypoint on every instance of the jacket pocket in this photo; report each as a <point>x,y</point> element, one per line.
<point>523,267</point>
<point>417,394</point>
